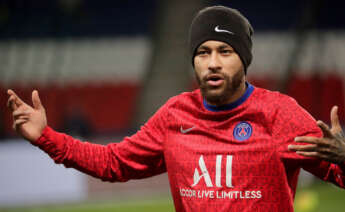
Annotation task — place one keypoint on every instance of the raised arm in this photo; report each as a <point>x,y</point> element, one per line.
<point>138,156</point>
<point>331,147</point>
<point>323,156</point>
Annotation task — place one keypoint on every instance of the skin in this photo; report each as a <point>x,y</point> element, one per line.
<point>28,121</point>
<point>331,147</point>
<point>219,59</point>
<point>212,58</point>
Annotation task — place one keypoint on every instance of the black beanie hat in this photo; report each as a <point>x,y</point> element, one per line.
<point>222,24</point>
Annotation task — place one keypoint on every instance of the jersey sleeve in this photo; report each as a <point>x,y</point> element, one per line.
<point>291,120</point>
<point>138,156</point>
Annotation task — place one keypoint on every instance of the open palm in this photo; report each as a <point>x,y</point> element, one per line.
<point>331,147</point>
<point>28,121</point>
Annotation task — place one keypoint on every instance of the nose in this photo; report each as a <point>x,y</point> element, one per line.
<point>214,63</point>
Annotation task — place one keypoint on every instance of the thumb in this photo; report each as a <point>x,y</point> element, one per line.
<point>36,100</point>
<point>336,127</point>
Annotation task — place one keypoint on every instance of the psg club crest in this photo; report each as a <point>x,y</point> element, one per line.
<point>243,131</point>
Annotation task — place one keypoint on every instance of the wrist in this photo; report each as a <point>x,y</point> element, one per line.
<point>41,136</point>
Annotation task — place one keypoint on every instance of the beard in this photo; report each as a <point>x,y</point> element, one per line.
<point>220,95</point>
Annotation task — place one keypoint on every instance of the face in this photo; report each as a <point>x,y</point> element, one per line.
<point>219,72</point>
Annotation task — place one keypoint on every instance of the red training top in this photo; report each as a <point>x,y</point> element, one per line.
<point>228,158</point>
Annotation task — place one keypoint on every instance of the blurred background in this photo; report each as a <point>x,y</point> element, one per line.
<point>102,68</point>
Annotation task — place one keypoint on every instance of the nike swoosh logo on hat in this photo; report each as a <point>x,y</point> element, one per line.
<point>223,30</point>
<point>184,131</point>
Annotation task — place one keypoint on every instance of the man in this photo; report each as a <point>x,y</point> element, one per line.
<point>228,146</point>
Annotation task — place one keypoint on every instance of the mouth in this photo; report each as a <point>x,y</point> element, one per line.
<point>214,80</point>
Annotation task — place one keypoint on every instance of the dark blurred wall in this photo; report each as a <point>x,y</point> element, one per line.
<point>75,18</point>
<point>83,18</point>
<point>286,15</point>
<point>59,40</point>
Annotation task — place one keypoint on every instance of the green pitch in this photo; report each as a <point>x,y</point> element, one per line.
<point>321,197</point>
<point>165,205</point>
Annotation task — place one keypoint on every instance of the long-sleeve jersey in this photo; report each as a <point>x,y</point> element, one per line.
<point>229,158</point>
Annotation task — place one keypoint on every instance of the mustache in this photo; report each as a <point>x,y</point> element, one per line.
<point>214,74</point>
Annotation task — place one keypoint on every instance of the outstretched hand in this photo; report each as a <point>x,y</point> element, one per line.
<point>331,147</point>
<point>28,121</point>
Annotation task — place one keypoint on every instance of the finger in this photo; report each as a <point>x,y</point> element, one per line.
<point>17,100</point>
<point>19,122</point>
<point>22,116</point>
<point>313,154</point>
<point>336,127</point>
<point>11,104</point>
<point>307,139</point>
<point>36,100</point>
<point>325,129</point>
<point>313,140</point>
<point>21,111</point>
<point>306,148</point>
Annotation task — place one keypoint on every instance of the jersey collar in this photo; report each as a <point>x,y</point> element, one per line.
<point>242,99</point>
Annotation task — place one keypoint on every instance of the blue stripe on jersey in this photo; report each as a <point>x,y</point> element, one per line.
<point>249,91</point>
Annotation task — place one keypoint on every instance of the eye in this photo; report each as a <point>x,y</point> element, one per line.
<point>226,51</point>
<point>201,52</point>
